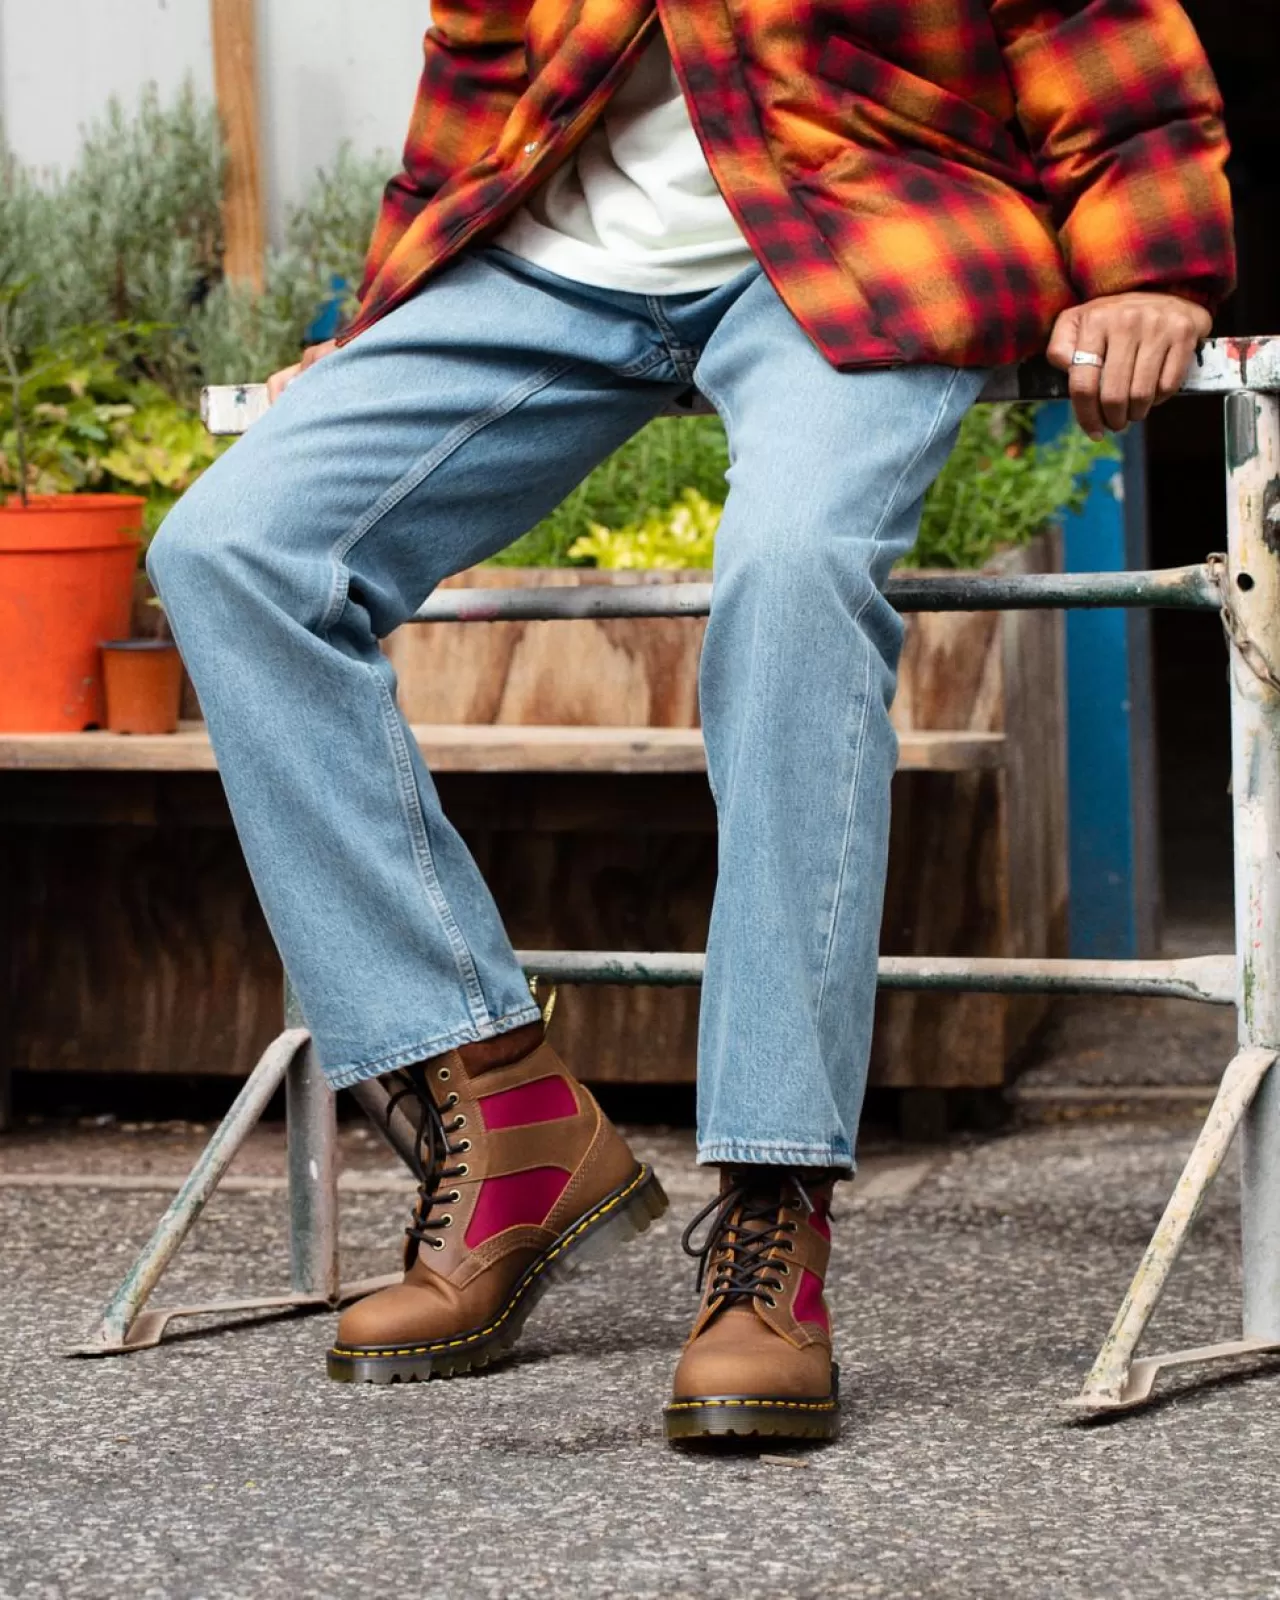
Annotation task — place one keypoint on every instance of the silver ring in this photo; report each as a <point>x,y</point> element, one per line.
<point>1085,358</point>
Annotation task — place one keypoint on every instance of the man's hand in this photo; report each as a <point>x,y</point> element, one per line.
<point>278,382</point>
<point>1145,342</point>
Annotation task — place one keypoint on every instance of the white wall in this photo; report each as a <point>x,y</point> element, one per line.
<point>328,70</point>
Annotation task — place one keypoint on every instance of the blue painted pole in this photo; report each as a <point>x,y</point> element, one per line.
<point>1110,734</point>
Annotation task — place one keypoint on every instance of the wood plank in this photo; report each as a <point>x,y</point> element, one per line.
<point>497,747</point>
<point>620,672</point>
<point>235,75</point>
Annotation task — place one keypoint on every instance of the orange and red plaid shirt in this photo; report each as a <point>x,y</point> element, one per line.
<point>922,180</point>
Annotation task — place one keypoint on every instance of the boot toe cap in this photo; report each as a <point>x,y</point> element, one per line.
<point>751,1361</point>
<point>404,1314</point>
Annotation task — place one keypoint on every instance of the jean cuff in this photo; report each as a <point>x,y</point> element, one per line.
<point>731,1152</point>
<point>358,1072</point>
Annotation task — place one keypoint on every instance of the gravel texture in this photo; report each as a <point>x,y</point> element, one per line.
<point>969,1299</point>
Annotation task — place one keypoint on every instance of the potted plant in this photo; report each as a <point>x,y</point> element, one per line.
<point>66,574</point>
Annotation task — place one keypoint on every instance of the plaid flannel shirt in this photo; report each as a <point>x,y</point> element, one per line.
<point>922,180</point>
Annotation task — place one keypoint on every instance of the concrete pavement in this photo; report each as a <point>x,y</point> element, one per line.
<point>971,1288</point>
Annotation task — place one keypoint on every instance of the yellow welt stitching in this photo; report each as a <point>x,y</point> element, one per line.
<point>784,1405</point>
<point>538,1266</point>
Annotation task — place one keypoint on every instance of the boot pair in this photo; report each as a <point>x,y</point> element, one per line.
<point>519,1175</point>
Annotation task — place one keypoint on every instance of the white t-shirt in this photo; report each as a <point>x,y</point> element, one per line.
<point>636,207</point>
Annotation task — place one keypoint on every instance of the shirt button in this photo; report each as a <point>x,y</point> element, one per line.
<point>531,147</point>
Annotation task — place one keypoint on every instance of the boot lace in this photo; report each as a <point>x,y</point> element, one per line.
<point>746,1227</point>
<point>433,1148</point>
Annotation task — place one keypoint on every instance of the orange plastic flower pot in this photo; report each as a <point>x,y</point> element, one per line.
<point>66,583</point>
<point>144,685</point>
<point>70,521</point>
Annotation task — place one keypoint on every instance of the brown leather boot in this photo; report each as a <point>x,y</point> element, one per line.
<point>518,1170</point>
<point>759,1358</point>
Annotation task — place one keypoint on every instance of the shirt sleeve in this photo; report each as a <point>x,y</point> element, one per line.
<point>473,72</point>
<point>1124,119</point>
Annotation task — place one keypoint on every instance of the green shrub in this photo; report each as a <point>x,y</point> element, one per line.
<point>1000,486</point>
<point>131,238</point>
<point>680,535</point>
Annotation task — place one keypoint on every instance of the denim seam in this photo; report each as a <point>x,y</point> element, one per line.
<point>344,1077</point>
<point>683,359</point>
<point>726,418</point>
<point>646,364</point>
<point>420,842</point>
<point>774,1154</point>
<point>851,814</point>
<point>420,471</point>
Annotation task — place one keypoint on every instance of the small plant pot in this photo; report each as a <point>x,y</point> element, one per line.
<point>144,685</point>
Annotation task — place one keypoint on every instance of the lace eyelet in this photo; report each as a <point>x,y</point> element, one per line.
<point>446,1221</point>
<point>465,1145</point>
<point>444,1074</point>
<point>784,1269</point>
<point>452,1198</point>
<point>463,1170</point>
<point>450,1102</point>
<point>437,1244</point>
<point>771,1302</point>
<point>458,1122</point>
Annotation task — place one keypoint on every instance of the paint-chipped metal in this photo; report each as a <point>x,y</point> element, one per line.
<point>1242,429</point>
<point>1107,1385</point>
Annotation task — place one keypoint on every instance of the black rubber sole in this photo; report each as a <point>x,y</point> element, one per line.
<point>745,1416</point>
<point>617,1218</point>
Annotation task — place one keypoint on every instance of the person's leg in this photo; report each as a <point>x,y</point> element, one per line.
<point>828,470</point>
<point>430,442</point>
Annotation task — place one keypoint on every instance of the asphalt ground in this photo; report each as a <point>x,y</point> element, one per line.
<point>971,1287</point>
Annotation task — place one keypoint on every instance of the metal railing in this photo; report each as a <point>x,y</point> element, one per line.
<point>1243,585</point>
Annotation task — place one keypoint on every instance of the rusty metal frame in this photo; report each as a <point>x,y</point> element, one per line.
<point>1244,585</point>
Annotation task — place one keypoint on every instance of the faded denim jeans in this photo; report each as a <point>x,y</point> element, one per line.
<point>435,439</point>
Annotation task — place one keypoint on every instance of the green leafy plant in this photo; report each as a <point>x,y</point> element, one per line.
<point>9,298</point>
<point>1001,486</point>
<point>76,419</point>
<point>680,535</point>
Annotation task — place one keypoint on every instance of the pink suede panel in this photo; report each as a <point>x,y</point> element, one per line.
<point>543,1100</point>
<point>821,1225</point>
<point>808,1304</point>
<point>513,1199</point>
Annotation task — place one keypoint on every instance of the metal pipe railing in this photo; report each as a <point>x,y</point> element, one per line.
<point>1244,585</point>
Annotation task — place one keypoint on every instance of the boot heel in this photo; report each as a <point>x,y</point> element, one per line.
<point>616,1221</point>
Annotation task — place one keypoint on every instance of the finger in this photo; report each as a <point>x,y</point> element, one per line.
<point>314,352</point>
<point>1174,370</point>
<point>1117,378</point>
<point>1082,385</point>
<point>278,382</point>
<point>1144,386</point>
<point>1064,339</point>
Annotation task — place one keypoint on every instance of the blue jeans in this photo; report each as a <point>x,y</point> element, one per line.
<point>435,439</point>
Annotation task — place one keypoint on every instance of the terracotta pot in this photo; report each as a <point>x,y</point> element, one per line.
<point>67,565</point>
<point>144,685</point>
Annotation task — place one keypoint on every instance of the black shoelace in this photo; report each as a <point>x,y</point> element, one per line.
<point>746,1227</point>
<point>433,1148</point>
